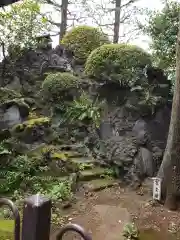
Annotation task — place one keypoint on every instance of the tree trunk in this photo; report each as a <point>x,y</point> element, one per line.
<point>117,21</point>
<point>169,171</point>
<point>64,8</point>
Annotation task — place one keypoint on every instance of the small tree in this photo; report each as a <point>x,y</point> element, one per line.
<point>20,24</point>
<point>162,27</point>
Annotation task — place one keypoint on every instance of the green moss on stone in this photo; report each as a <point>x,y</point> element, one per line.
<point>32,129</point>
<point>7,95</point>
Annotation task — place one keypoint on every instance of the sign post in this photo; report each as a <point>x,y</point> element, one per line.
<point>156,188</point>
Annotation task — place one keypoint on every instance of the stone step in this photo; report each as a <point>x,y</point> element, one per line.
<point>85,160</point>
<point>90,174</point>
<point>99,184</point>
<point>73,154</point>
<point>47,178</point>
<point>70,147</point>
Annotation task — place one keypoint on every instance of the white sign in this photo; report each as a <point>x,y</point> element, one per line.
<point>157,189</point>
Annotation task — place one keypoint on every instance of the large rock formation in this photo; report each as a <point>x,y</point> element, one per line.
<point>133,131</point>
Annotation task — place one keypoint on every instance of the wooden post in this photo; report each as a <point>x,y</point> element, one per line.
<point>36,218</point>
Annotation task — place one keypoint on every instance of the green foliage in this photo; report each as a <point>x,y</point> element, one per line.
<point>85,109</point>
<point>18,170</point>
<point>147,99</point>
<point>56,84</point>
<point>117,62</point>
<point>21,173</point>
<point>7,95</point>
<point>20,24</point>
<point>162,27</point>
<point>60,191</point>
<point>130,231</point>
<point>82,40</point>
<point>109,173</point>
<point>84,166</point>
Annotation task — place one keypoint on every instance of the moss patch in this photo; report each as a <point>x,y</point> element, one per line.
<point>32,129</point>
<point>6,229</point>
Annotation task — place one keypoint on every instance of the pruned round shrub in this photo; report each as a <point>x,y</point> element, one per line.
<point>56,84</point>
<point>117,62</point>
<point>82,40</point>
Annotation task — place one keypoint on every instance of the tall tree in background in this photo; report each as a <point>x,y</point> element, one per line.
<point>103,14</point>
<point>117,21</point>
<point>64,18</point>
<point>115,17</point>
<point>170,168</point>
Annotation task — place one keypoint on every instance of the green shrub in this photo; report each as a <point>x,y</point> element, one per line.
<point>85,109</point>
<point>56,84</point>
<point>82,40</point>
<point>117,62</point>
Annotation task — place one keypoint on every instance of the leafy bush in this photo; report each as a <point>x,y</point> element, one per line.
<point>83,39</point>
<point>117,62</point>
<point>162,27</point>
<point>60,191</point>
<point>84,109</point>
<point>130,231</point>
<point>56,84</point>
<point>17,171</point>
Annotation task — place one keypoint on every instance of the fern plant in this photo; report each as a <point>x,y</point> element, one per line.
<point>85,108</point>
<point>147,98</point>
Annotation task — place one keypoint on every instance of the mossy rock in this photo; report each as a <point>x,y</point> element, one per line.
<point>61,163</point>
<point>32,130</point>
<point>82,40</point>
<point>56,86</point>
<point>7,95</point>
<point>120,63</point>
<point>20,103</point>
<point>90,174</point>
<point>58,161</point>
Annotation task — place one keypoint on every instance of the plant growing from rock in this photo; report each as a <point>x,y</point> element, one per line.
<point>82,40</point>
<point>85,109</point>
<point>120,63</point>
<point>130,231</point>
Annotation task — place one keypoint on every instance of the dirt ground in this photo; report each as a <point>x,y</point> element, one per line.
<point>104,214</point>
